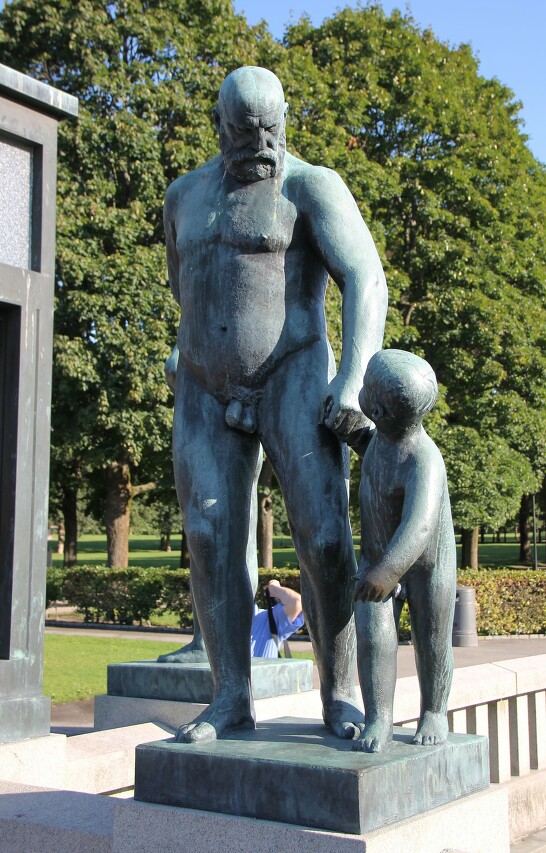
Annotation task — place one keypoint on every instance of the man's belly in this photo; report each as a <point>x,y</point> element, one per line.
<point>236,328</point>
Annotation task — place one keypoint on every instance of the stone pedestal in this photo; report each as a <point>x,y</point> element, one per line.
<point>181,682</point>
<point>29,114</point>
<point>324,784</point>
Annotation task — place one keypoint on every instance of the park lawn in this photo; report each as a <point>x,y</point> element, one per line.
<point>144,551</point>
<point>75,666</point>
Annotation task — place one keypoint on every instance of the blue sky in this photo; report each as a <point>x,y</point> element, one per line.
<point>507,36</point>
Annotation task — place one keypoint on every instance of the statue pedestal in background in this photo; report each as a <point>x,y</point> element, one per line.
<point>172,694</point>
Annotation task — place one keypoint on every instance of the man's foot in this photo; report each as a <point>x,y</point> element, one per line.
<point>344,717</point>
<point>194,652</point>
<point>221,716</point>
<point>377,735</point>
<point>432,729</point>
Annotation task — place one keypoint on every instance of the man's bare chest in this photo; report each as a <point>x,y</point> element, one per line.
<point>253,219</point>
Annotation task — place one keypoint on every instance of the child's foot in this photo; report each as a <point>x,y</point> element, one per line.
<point>377,735</point>
<point>432,729</point>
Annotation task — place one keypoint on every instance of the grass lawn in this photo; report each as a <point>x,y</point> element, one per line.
<point>75,666</point>
<point>144,551</point>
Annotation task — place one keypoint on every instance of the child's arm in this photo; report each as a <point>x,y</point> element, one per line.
<point>424,492</point>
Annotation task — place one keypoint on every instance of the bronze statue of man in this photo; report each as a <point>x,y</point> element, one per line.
<point>251,239</point>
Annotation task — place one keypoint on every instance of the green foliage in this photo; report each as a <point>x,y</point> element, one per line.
<point>432,151</point>
<point>434,155</point>
<point>508,601</point>
<point>486,477</point>
<point>121,596</point>
<point>54,586</point>
<point>147,73</point>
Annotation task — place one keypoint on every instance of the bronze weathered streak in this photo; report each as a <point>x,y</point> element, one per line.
<point>408,550</point>
<point>252,236</point>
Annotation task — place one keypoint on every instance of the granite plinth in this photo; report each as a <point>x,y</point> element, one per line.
<point>182,682</point>
<point>324,784</point>
<point>24,717</point>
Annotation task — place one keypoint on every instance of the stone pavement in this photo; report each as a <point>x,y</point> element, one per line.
<point>76,717</point>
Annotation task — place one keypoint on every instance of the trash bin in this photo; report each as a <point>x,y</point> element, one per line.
<point>464,622</point>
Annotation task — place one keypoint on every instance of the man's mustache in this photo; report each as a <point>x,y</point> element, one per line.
<point>252,156</point>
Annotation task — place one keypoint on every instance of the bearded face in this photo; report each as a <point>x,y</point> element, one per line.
<point>253,147</point>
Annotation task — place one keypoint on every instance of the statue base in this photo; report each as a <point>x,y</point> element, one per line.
<point>182,682</point>
<point>295,771</point>
<point>24,717</point>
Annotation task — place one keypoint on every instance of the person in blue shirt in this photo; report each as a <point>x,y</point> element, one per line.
<point>288,617</point>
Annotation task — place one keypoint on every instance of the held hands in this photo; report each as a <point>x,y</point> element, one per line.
<point>340,410</point>
<point>371,584</point>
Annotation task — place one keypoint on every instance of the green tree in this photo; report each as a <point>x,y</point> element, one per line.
<point>147,73</point>
<point>434,154</point>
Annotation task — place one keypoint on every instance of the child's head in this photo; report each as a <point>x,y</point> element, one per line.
<point>399,389</point>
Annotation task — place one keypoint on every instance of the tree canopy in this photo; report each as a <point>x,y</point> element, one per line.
<point>433,152</point>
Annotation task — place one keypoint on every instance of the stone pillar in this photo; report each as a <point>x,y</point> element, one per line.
<point>29,114</point>
<point>537,729</point>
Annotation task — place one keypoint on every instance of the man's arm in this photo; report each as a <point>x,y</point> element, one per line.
<point>289,598</point>
<point>346,248</point>
<point>169,207</point>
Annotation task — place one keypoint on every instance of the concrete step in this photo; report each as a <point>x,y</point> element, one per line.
<point>534,843</point>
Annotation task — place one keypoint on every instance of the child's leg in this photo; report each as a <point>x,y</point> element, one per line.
<point>377,644</point>
<point>431,598</point>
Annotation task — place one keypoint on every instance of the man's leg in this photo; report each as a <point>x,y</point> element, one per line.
<point>214,471</point>
<point>195,652</point>
<point>311,467</point>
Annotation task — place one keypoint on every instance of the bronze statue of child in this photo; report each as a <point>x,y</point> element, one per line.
<point>407,551</point>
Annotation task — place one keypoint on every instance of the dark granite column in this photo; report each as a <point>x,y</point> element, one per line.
<point>29,114</point>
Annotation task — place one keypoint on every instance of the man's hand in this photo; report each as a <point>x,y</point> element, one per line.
<point>372,585</point>
<point>273,587</point>
<point>340,410</point>
<point>289,598</point>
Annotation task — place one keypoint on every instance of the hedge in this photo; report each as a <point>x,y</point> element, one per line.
<point>508,601</point>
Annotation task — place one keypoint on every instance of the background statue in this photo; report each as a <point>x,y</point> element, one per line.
<point>251,238</point>
<point>408,550</point>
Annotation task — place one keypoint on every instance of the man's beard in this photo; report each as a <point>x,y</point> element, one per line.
<point>248,166</point>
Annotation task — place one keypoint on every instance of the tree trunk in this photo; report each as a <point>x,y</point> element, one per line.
<point>165,542</point>
<point>70,513</point>
<point>184,552</point>
<point>117,515</point>
<point>60,537</point>
<point>264,532</point>
<point>469,542</point>
<point>523,528</point>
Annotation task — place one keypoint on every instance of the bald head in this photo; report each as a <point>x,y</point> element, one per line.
<point>250,119</point>
<point>252,92</point>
